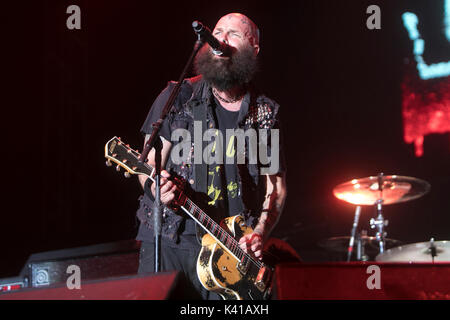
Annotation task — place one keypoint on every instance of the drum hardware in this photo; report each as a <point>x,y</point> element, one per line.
<point>379,191</point>
<point>353,232</point>
<point>360,247</point>
<point>379,223</point>
<point>433,250</point>
<point>430,251</point>
<point>366,247</point>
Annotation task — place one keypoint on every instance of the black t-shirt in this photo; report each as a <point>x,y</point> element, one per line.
<point>223,188</point>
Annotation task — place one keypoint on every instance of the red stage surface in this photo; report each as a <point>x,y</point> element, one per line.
<point>150,287</point>
<point>418,281</point>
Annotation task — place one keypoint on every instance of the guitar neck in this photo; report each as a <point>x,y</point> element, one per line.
<point>211,227</point>
<point>208,224</point>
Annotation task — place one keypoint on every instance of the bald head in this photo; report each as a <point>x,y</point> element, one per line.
<point>251,30</point>
<point>236,27</point>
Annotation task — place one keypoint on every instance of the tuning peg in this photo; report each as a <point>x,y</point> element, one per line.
<point>108,163</point>
<point>118,168</point>
<point>126,174</point>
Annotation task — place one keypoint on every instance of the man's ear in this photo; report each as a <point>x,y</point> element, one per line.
<point>256,47</point>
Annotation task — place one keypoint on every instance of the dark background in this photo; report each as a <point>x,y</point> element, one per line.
<point>67,92</point>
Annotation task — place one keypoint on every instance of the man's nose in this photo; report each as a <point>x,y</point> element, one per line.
<point>223,38</point>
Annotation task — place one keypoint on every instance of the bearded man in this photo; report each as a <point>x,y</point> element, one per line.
<point>222,97</point>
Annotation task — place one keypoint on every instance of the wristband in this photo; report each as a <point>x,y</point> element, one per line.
<point>147,189</point>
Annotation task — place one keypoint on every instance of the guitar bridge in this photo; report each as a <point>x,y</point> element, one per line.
<point>243,265</point>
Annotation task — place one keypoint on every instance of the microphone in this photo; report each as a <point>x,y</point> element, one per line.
<point>219,48</point>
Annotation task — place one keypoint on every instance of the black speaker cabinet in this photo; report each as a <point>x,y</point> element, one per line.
<point>95,262</point>
<point>160,286</point>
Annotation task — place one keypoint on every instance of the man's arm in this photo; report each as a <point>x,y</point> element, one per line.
<point>272,207</point>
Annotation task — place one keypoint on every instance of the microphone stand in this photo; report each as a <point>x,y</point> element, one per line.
<point>155,142</point>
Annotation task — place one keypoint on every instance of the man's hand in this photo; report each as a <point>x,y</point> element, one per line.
<point>167,188</point>
<point>275,195</point>
<point>252,243</point>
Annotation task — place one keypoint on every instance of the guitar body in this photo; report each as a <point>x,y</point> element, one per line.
<point>218,270</point>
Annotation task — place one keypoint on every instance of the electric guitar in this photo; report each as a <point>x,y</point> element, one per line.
<point>222,266</point>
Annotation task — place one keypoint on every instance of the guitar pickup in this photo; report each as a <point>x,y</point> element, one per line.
<point>263,278</point>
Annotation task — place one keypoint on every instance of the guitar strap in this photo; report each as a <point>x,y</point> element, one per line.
<point>201,170</point>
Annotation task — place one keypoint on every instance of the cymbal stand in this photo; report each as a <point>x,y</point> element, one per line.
<point>379,223</point>
<point>360,246</point>
<point>433,250</point>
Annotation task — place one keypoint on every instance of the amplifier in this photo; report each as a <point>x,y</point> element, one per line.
<point>94,262</point>
<point>12,284</point>
<point>151,286</point>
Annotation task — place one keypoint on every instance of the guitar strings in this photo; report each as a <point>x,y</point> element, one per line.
<point>228,237</point>
<point>220,229</point>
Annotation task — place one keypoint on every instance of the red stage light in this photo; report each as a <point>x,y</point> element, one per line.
<point>426,109</point>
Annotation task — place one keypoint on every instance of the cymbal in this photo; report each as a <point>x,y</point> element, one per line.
<point>417,252</point>
<point>340,244</point>
<point>395,189</point>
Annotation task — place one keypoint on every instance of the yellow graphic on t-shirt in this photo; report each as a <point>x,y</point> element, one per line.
<point>230,149</point>
<point>232,189</point>
<point>215,140</point>
<point>214,192</point>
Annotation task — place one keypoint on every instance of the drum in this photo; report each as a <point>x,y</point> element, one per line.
<point>431,251</point>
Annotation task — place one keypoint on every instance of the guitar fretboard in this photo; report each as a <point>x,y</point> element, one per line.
<point>215,229</point>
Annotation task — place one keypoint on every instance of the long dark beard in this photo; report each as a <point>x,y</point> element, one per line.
<point>225,74</point>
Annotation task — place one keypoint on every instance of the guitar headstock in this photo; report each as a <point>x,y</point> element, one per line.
<point>118,152</point>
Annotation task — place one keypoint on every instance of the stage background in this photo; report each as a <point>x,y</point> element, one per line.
<point>67,92</point>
